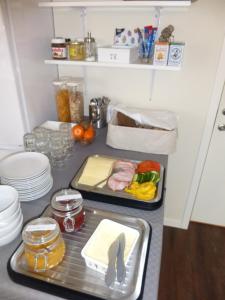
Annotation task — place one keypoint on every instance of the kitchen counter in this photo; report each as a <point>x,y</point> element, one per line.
<point>62,177</point>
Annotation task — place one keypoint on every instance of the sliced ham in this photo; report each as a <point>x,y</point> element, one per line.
<point>124,165</point>
<point>123,175</point>
<point>117,185</point>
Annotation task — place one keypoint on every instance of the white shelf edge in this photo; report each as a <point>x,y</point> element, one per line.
<point>111,65</point>
<point>116,4</point>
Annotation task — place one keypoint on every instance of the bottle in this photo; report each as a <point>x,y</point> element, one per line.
<point>90,48</point>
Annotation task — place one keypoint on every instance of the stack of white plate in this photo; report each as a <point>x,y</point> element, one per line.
<point>29,173</point>
<point>11,218</point>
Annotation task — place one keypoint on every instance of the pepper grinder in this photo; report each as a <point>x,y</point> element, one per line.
<point>90,48</point>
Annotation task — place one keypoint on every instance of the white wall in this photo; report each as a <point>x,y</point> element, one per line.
<point>10,109</point>
<point>187,92</point>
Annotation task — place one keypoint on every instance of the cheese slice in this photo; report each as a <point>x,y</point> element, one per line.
<point>96,169</point>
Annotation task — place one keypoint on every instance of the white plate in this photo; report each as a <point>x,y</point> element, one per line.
<point>30,185</point>
<point>32,197</point>
<point>35,189</point>
<point>23,165</point>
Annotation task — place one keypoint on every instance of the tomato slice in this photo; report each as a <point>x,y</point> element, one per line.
<point>148,165</point>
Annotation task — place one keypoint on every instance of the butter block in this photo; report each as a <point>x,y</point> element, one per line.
<point>95,252</point>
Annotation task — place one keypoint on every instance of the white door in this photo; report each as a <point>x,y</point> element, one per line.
<point>210,201</point>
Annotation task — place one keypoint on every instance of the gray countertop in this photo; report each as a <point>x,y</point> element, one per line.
<point>62,177</point>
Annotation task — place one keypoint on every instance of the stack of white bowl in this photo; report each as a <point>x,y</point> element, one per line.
<point>11,218</point>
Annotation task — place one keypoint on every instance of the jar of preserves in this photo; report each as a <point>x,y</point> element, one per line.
<point>76,50</point>
<point>44,247</point>
<point>67,209</point>
<point>76,101</point>
<point>59,48</point>
<point>62,101</point>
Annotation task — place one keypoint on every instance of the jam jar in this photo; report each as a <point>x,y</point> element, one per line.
<point>67,209</point>
<point>44,247</point>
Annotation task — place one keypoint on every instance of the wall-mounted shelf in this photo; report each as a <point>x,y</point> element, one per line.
<point>119,3</point>
<point>140,66</point>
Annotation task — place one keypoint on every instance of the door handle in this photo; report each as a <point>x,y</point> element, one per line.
<point>221,127</point>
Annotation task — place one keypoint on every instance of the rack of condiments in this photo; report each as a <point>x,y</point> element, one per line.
<point>129,46</point>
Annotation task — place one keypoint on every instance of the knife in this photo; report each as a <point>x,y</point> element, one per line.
<point>120,265</point>
<point>110,275</point>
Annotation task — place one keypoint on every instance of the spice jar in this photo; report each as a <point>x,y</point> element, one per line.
<point>76,50</point>
<point>44,247</point>
<point>76,101</point>
<point>62,101</point>
<point>67,210</point>
<point>59,50</point>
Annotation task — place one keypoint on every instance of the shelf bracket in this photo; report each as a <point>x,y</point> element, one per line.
<point>157,15</point>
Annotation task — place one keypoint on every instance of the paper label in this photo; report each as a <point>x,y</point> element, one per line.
<point>68,197</point>
<point>41,227</point>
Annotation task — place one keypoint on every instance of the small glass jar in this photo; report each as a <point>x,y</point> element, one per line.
<point>67,209</point>
<point>76,50</point>
<point>62,101</point>
<point>59,48</point>
<point>76,101</point>
<point>29,142</point>
<point>44,247</point>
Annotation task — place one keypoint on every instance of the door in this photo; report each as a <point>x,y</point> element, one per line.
<point>210,201</point>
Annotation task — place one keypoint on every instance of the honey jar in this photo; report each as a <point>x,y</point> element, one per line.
<point>76,50</point>
<point>44,247</point>
<point>67,210</point>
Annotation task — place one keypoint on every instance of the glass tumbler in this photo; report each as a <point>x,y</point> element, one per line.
<point>67,139</point>
<point>29,141</point>
<point>42,146</point>
<point>57,149</point>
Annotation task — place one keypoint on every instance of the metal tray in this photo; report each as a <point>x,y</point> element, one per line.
<point>71,279</point>
<point>105,194</point>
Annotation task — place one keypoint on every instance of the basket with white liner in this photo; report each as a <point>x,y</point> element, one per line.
<point>95,252</point>
<point>143,130</point>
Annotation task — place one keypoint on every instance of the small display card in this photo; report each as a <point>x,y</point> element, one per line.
<point>41,227</point>
<point>68,197</point>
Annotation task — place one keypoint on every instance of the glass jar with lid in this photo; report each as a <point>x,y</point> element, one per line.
<point>67,209</point>
<point>44,247</point>
<point>76,101</point>
<point>76,50</point>
<point>62,101</point>
<point>59,50</point>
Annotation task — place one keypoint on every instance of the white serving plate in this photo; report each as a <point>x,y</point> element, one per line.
<point>8,201</point>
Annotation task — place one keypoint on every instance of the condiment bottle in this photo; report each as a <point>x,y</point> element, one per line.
<point>76,101</point>
<point>59,50</point>
<point>44,247</point>
<point>62,101</point>
<point>67,210</point>
<point>90,48</point>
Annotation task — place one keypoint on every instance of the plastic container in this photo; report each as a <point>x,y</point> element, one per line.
<point>67,210</point>
<point>95,252</point>
<point>76,101</point>
<point>44,247</point>
<point>62,101</point>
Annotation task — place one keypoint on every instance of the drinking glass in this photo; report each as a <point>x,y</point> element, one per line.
<point>29,141</point>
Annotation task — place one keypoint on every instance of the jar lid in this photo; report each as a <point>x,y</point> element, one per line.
<point>58,40</point>
<point>66,200</point>
<point>40,231</point>
<point>72,83</point>
<point>58,82</point>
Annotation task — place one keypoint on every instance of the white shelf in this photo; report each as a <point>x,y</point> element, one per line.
<point>119,3</point>
<point>140,66</point>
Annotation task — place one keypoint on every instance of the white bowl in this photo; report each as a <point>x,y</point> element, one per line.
<point>8,201</point>
<point>7,221</point>
<point>12,235</point>
<point>10,227</point>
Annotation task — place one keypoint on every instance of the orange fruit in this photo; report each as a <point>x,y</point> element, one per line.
<point>78,132</point>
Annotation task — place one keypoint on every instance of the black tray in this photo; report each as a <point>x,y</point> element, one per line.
<point>48,285</point>
<point>120,198</point>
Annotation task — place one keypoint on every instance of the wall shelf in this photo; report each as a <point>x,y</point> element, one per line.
<point>140,66</point>
<point>119,3</point>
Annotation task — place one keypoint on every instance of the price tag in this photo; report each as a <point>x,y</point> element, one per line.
<point>41,227</point>
<point>68,197</point>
